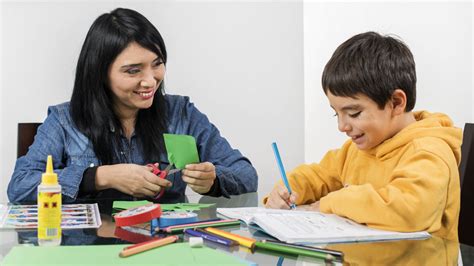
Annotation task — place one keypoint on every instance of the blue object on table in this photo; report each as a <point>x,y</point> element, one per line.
<point>282,170</point>
<point>209,237</point>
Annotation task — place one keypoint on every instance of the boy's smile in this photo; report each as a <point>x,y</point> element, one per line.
<point>363,121</point>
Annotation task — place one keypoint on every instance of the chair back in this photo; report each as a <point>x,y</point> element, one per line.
<point>466,174</point>
<point>26,136</point>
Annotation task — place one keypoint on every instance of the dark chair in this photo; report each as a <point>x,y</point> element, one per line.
<point>26,135</point>
<point>466,173</point>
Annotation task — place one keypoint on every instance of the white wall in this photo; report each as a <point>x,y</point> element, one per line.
<point>241,64</point>
<point>439,35</point>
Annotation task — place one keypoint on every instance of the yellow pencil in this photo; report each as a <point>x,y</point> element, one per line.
<point>243,241</point>
<point>140,247</point>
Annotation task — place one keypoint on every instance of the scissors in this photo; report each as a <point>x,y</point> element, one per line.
<point>162,174</point>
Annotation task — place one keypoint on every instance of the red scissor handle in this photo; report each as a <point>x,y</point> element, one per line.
<point>161,174</point>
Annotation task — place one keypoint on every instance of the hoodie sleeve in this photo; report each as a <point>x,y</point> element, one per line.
<point>314,181</point>
<point>413,201</point>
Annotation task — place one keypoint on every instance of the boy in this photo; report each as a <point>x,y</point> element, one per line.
<point>399,169</point>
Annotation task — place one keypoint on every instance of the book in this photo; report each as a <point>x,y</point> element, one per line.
<point>74,216</point>
<point>293,226</point>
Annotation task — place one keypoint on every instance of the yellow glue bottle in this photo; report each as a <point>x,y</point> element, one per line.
<point>49,207</point>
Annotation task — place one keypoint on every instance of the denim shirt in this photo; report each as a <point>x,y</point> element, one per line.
<point>73,153</point>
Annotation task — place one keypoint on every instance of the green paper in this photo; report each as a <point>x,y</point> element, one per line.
<point>122,205</point>
<point>101,255</point>
<point>184,206</point>
<point>181,149</point>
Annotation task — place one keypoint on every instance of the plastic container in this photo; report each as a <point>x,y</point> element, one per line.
<point>49,207</point>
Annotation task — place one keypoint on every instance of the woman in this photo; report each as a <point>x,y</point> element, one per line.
<point>113,126</point>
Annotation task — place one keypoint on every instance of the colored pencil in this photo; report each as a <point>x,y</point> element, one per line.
<point>282,171</point>
<point>140,247</point>
<point>181,227</point>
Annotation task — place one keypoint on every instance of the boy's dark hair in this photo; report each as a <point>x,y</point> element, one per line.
<point>373,65</point>
<point>91,102</point>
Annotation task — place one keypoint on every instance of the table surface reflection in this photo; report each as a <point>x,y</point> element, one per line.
<point>432,251</point>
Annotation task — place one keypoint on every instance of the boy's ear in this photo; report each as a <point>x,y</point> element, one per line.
<point>399,101</point>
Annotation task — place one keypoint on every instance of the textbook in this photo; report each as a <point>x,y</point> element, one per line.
<point>293,226</point>
<point>74,216</point>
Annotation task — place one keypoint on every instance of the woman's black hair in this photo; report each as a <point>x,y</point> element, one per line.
<point>91,102</point>
<point>373,65</point>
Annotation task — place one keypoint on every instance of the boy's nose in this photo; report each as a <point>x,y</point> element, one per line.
<point>343,126</point>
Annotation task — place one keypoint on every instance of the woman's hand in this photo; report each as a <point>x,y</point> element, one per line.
<point>280,198</point>
<point>199,177</point>
<point>131,179</point>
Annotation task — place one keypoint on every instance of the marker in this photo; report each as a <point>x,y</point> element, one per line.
<point>208,237</point>
<point>137,248</point>
<point>292,250</point>
<point>282,171</point>
<point>233,243</point>
<point>243,241</point>
<point>337,254</point>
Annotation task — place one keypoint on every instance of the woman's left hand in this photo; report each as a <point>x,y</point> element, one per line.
<point>200,177</point>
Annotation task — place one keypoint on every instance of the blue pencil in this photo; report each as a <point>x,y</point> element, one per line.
<point>282,171</point>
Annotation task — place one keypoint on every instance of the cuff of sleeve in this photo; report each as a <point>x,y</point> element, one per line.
<point>215,190</point>
<point>222,186</point>
<point>73,174</point>
<point>87,185</point>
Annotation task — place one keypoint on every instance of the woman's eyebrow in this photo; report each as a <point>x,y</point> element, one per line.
<point>131,65</point>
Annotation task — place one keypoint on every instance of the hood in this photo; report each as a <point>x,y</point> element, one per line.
<point>427,124</point>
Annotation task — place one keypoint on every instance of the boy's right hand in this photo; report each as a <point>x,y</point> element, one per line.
<point>131,179</point>
<point>280,198</point>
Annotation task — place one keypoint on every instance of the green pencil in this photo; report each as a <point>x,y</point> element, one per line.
<point>292,250</point>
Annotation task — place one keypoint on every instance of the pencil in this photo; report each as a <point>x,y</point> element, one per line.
<point>282,171</point>
<point>182,227</point>
<point>137,248</point>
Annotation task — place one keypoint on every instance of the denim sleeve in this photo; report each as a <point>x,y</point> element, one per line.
<point>51,139</point>
<point>235,172</point>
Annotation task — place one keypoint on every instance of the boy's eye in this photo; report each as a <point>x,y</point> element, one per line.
<point>355,114</point>
<point>335,115</point>
<point>132,71</point>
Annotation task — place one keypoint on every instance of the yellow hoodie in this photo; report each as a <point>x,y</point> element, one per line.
<point>409,182</point>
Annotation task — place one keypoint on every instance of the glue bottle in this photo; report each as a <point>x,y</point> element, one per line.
<point>49,207</point>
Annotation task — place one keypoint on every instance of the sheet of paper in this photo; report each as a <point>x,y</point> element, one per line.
<point>101,255</point>
<point>122,205</point>
<point>181,149</point>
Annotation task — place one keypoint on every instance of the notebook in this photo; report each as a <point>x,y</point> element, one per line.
<point>294,226</point>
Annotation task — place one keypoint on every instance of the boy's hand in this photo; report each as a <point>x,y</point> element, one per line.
<point>280,198</point>
<point>199,177</point>
<point>309,207</point>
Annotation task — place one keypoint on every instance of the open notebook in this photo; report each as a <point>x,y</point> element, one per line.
<point>312,227</point>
